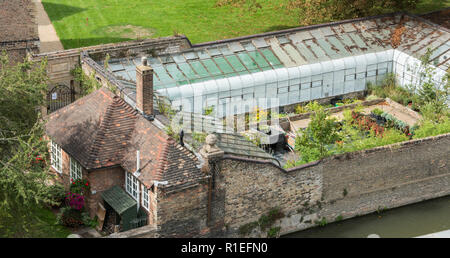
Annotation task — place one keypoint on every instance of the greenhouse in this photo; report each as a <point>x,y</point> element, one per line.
<point>292,66</point>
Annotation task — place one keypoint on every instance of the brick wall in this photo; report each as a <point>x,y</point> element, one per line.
<point>388,176</point>
<point>182,213</point>
<point>101,180</point>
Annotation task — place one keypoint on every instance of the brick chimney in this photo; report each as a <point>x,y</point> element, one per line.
<point>144,88</point>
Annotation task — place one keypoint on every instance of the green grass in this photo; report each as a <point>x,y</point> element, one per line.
<point>199,20</point>
<point>43,225</point>
<point>110,20</point>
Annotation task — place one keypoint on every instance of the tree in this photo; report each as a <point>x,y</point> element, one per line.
<point>23,171</point>
<point>321,131</point>
<point>321,11</point>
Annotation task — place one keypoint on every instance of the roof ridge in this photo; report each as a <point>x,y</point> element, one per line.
<point>106,124</point>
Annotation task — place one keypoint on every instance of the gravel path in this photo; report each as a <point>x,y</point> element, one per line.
<point>47,33</point>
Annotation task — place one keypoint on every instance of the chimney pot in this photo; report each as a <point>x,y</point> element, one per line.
<point>144,61</point>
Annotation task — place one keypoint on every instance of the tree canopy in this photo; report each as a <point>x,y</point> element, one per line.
<point>23,151</point>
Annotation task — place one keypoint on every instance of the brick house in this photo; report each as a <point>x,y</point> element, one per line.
<point>103,139</point>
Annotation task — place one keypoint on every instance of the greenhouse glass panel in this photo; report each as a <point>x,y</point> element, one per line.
<point>178,58</point>
<point>294,97</point>
<point>186,91</point>
<point>235,63</point>
<point>210,87</point>
<point>199,69</point>
<point>327,66</point>
<point>361,63</point>
<point>305,52</point>
<point>283,98</point>
<point>273,60</point>
<point>223,65</point>
<point>174,93</point>
<point>198,89</point>
<point>316,93</point>
<point>211,67</point>
<point>262,63</point>
<point>235,82</point>
<point>305,94</point>
<point>248,62</point>
<point>187,70</point>
<point>338,88</point>
<point>175,73</point>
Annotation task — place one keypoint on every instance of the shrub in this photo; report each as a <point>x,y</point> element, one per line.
<point>80,186</point>
<point>273,232</point>
<point>430,128</point>
<point>54,195</point>
<point>70,217</point>
<point>75,200</point>
<point>88,221</point>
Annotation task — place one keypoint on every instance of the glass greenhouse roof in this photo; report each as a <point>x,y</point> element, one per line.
<point>279,51</point>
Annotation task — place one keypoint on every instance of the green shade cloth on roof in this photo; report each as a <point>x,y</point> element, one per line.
<point>118,199</point>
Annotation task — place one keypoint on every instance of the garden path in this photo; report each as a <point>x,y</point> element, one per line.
<point>47,34</point>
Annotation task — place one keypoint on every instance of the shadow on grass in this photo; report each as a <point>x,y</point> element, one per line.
<point>57,12</point>
<point>76,43</point>
<point>280,27</point>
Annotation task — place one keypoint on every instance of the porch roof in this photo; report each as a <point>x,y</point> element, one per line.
<point>118,199</point>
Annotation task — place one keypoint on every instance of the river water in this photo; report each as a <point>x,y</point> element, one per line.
<point>408,221</point>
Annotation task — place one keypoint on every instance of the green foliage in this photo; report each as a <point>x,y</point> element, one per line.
<point>377,111</point>
<point>323,222</point>
<point>299,109</point>
<point>208,111</point>
<point>42,224</point>
<point>430,128</point>
<point>246,229</point>
<point>338,218</point>
<point>80,186</point>
<point>88,221</point>
<point>321,131</point>
<point>55,194</point>
<point>88,83</point>
<point>264,222</point>
<point>70,217</point>
<point>23,149</point>
<point>320,11</point>
<point>273,232</point>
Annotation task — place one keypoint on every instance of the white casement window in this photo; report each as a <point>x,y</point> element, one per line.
<point>56,157</point>
<point>75,170</point>
<point>131,185</point>
<point>145,202</point>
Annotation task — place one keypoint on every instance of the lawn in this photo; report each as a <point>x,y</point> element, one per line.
<point>43,225</point>
<point>91,22</point>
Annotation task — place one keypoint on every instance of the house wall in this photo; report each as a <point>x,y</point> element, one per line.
<point>345,185</point>
<point>101,180</point>
<point>183,213</point>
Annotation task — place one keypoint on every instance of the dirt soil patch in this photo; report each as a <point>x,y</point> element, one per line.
<point>127,31</point>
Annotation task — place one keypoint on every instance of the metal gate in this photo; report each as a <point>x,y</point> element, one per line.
<point>59,97</point>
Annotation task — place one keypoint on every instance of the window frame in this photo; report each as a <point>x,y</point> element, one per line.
<point>56,157</point>
<point>75,165</point>
<point>145,198</point>
<point>132,186</point>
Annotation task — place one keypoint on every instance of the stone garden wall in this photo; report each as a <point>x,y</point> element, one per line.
<point>335,188</point>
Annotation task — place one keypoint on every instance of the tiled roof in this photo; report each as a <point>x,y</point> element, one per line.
<point>101,130</point>
<point>17,20</point>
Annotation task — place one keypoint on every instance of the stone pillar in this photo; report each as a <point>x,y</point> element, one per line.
<point>210,151</point>
<point>144,88</point>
